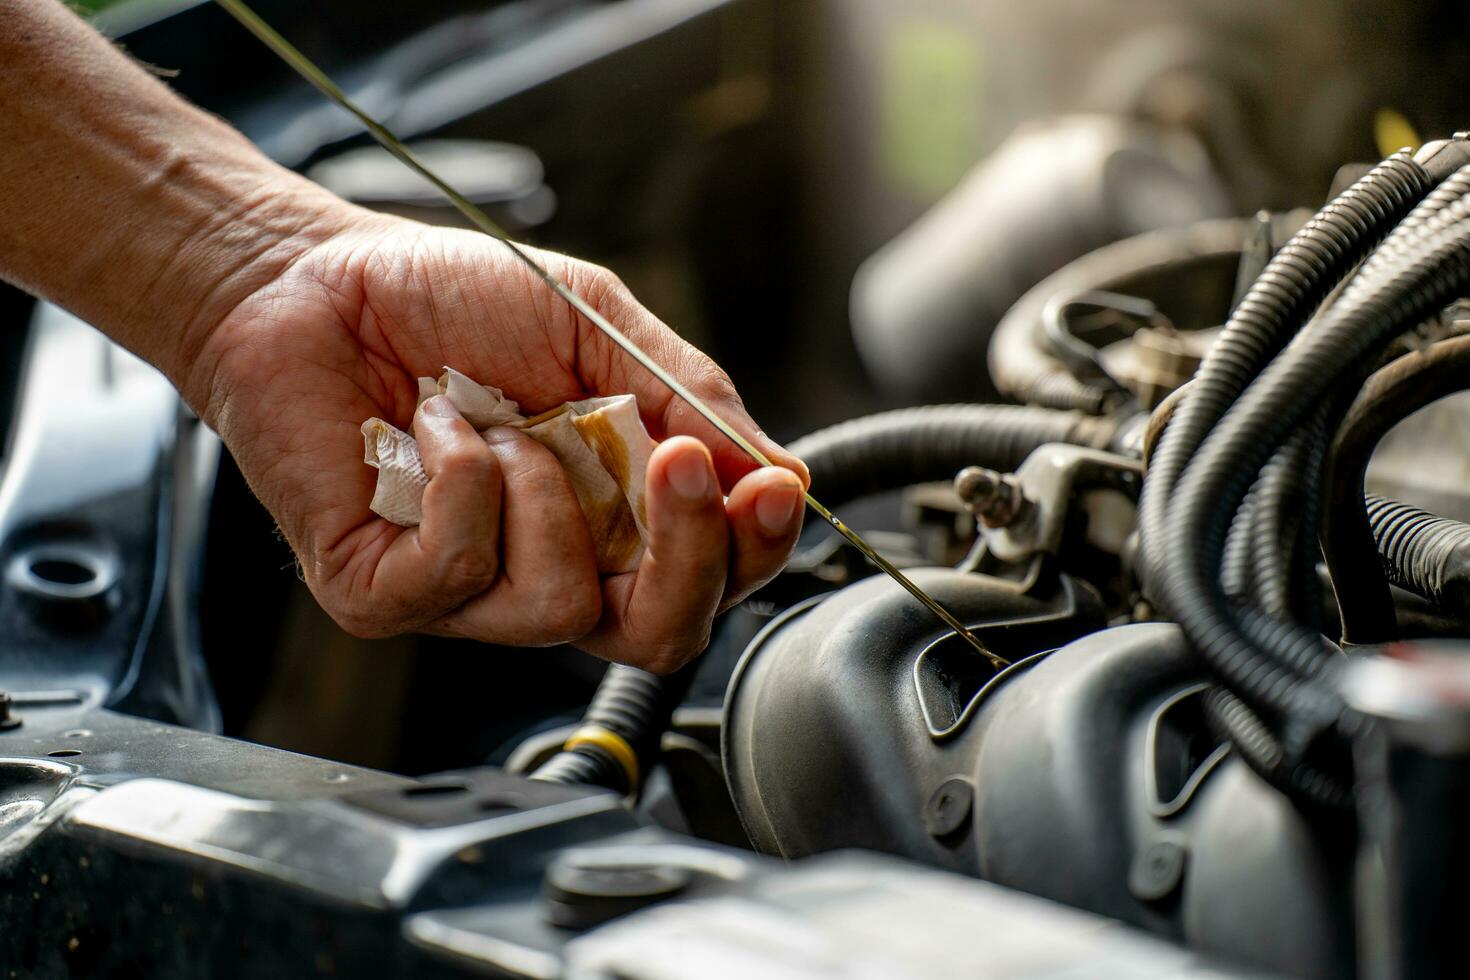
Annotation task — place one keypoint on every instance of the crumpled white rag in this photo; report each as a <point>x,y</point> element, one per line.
<point>600,443</point>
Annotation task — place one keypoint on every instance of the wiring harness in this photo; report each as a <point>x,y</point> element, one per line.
<point>1234,488</point>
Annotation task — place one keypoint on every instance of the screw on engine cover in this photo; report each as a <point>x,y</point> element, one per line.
<point>585,891</point>
<point>1158,870</point>
<point>8,719</point>
<point>995,498</point>
<point>949,807</point>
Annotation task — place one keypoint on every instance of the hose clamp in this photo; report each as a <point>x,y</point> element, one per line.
<point>610,742</point>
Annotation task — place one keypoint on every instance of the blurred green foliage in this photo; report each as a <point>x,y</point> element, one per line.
<point>91,6</point>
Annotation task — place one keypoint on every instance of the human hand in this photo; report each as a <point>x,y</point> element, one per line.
<point>288,317</point>
<point>503,555</point>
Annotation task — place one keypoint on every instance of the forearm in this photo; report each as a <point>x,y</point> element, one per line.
<point>121,202</point>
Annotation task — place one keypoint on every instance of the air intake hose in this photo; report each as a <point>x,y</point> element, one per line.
<point>914,445</point>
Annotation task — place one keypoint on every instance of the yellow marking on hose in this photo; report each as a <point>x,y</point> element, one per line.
<point>610,742</point>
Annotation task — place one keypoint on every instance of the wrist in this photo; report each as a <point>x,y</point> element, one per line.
<point>267,222</point>
<point>141,214</point>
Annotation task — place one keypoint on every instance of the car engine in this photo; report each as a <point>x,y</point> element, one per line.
<point>1216,534</point>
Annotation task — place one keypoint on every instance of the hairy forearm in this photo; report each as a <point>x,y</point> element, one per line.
<point>121,202</point>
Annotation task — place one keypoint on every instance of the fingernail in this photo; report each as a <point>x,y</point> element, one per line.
<point>776,509</point>
<point>440,407</point>
<point>689,475</point>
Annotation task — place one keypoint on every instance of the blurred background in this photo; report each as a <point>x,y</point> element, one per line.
<point>837,199</point>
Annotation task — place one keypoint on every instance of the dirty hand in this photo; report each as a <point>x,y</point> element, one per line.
<point>503,554</point>
<point>288,317</point>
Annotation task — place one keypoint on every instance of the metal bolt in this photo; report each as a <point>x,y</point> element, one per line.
<point>995,498</point>
<point>8,720</point>
<point>949,806</point>
<point>1158,870</point>
<point>586,890</point>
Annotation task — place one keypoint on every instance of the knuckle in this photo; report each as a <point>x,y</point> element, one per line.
<point>665,661</point>
<point>473,463</point>
<point>598,284</point>
<point>709,377</point>
<point>563,602</point>
<point>539,474</point>
<point>562,616</point>
<point>361,625</point>
<point>604,282</point>
<point>661,667</point>
<point>469,570</point>
<point>584,613</point>
<point>668,655</point>
<point>577,623</point>
<point>530,469</point>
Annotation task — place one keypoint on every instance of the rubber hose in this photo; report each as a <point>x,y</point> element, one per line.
<point>1255,563</point>
<point>1394,392</point>
<point>1235,564</point>
<point>1418,268</point>
<point>1285,511</point>
<point>1423,553</point>
<point>1307,582</point>
<point>1067,393</point>
<point>1294,282</point>
<point>913,445</point>
<point>633,705</point>
<point>1315,258</point>
<point>584,765</point>
<point>1293,653</point>
<point>1271,529</point>
<point>1232,719</point>
<point>1024,369</point>
<point>1257,557</point>
<point>1297,278</point>
<point>923,307</point>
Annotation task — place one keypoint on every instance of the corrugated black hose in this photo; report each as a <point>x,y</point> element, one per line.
<point>621,729</point>
<point>1423,553</point>
<point>1419,268</point>
<point>1269,663</point>
<point>1397,390</point>
<point>1231,718</point>
<point>913,445</point>
<point>1235,564</point>
<point>1232,639</point>
<point>1293,283</point>
<point>1283,534</point>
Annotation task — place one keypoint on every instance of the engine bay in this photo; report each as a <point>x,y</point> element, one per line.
<point>1200,496</point>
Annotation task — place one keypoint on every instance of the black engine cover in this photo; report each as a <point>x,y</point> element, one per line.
<point>1086,775</point>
